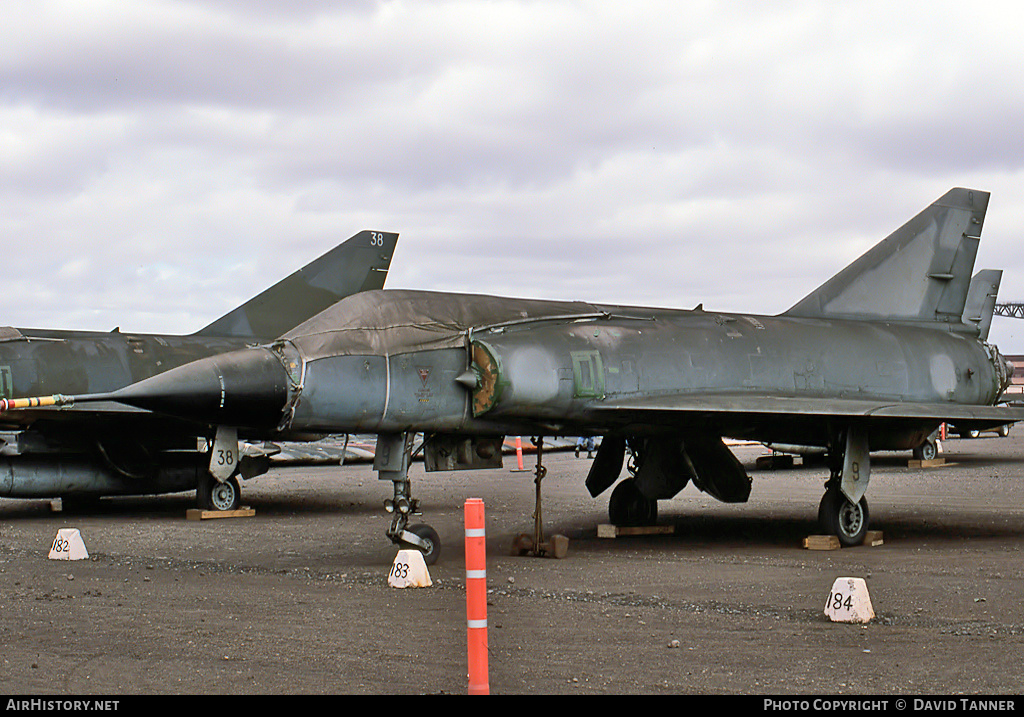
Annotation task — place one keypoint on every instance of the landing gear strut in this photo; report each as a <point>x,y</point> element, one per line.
<point>391,461</point>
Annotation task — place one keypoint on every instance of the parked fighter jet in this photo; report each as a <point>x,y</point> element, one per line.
<point>112,449</point>
<point>875,358</point>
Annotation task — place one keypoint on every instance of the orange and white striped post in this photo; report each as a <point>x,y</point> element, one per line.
<point>519,452</point>
<point>476,596</point>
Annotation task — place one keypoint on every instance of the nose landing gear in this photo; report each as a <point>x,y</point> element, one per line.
<point>391,461</point>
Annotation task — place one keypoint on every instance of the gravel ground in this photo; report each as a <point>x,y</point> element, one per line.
<point>295,600</point>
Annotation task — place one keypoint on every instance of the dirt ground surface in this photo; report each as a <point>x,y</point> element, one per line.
<point>295,600</point>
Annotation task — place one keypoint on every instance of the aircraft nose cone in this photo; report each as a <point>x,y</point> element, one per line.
<point>246,388</point>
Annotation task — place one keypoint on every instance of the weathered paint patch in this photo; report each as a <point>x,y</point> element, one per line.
<point>943,374</point>
<point>533,374</point>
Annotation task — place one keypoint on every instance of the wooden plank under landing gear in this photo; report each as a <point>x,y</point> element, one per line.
<point>607,530</point>
<point>822,542</point>
<point>872,539</point>
<point>926,463</point>
<point>197,514</point>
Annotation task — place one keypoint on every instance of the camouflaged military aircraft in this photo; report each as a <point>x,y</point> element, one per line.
<point>113,449</point>
<point>875,358</point>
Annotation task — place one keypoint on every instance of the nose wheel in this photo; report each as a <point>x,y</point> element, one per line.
<point>429,542</point>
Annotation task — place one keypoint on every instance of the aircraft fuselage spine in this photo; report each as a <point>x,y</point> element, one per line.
<point>553,373</point>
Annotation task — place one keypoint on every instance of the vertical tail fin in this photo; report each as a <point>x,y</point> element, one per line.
<point>919,273</point>
<point>359,264</point>
<point>981,300</point>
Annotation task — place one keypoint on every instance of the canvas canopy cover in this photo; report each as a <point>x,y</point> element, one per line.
<point>396,321</point>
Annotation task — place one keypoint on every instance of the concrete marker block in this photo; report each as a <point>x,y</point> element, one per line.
<point>68,545</point>
<point>409,570</point>
<point>849,601</point>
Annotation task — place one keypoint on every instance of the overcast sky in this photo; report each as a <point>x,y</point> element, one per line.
<point>163,161</point>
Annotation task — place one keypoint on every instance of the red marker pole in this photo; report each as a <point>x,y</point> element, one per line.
<point>519,451</point>
<point>476,597</point>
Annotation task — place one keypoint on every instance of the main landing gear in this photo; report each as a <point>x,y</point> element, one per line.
<point>218,488</point>
<point>391,461</point>
<point>850,470</point>
<point>654,467</point>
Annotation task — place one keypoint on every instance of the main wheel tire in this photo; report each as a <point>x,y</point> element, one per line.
<point>428,535</point>
<point>214,495</point>
<point>926,451</point>
<point>839,517</point>
<point>627,506</point>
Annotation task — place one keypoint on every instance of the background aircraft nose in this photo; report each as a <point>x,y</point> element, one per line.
<point>246,388</point>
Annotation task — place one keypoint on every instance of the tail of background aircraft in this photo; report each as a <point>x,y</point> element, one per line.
<point>359,264</point>
<point>919,273</point>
